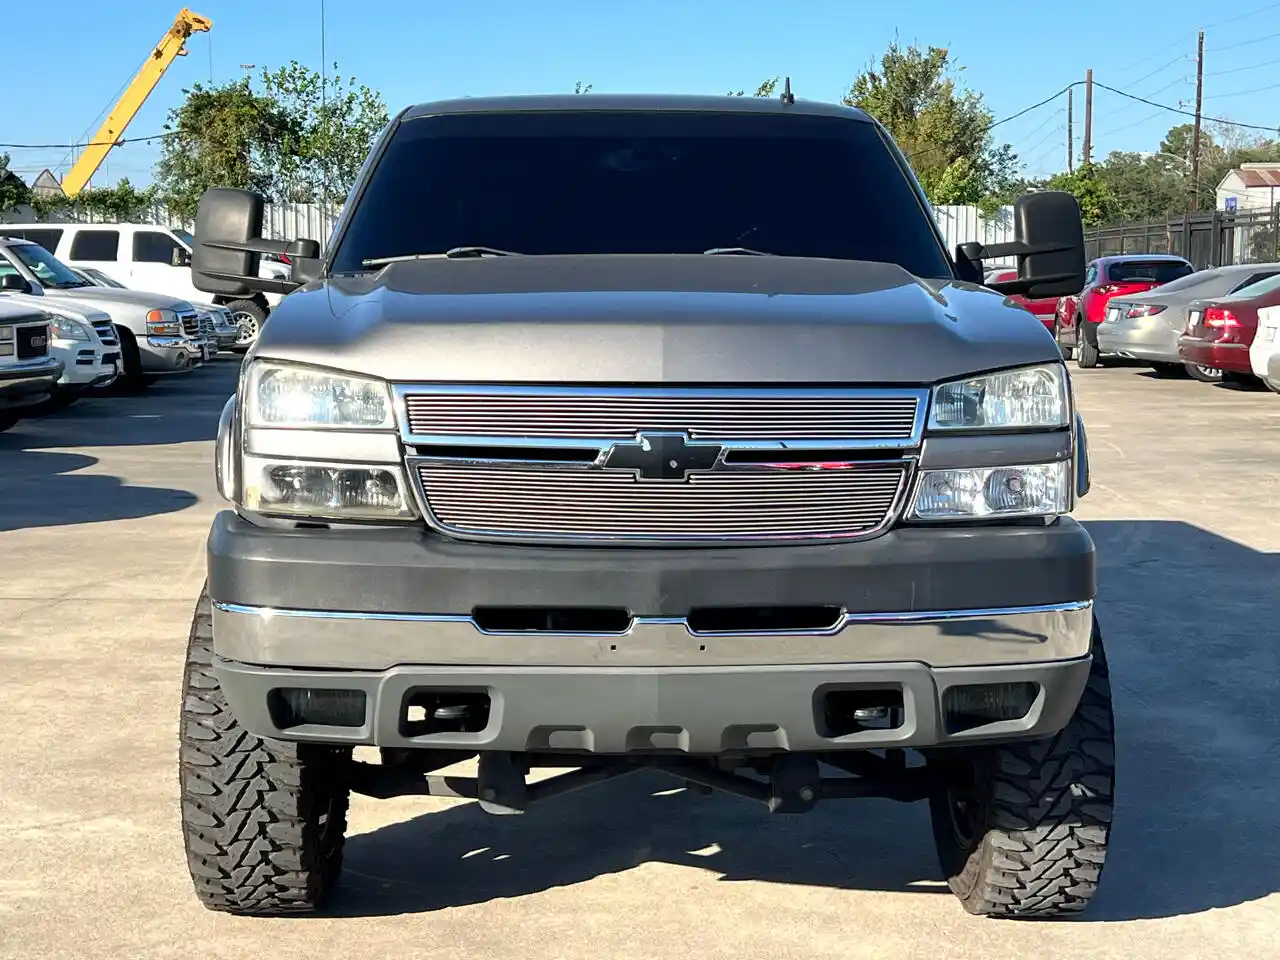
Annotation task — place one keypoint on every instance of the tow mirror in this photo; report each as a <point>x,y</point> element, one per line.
<point>229,245</point>
<point>1049,245</point>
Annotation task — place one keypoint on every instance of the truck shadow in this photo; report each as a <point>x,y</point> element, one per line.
<point>1189,618</point>
<point>41,489</point>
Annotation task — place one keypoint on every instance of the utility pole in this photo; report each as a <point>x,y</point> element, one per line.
<point>1070,143</point>
<point>1087,153</point>
<point>1195,137</point>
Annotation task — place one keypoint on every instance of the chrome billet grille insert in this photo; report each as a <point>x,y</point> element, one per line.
<point>513,500</point>
<point>444,413</point>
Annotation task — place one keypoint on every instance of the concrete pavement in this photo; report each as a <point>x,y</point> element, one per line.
<point>103,512</point>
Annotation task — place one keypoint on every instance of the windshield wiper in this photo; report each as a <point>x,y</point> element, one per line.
<point>453,253</point>
<point>736,251</point>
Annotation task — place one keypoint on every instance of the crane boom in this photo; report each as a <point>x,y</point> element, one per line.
<point>134,96</point>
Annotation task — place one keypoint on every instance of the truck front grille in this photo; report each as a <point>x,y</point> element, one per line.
<point>190,323</point>
<point>618,413</point>
<point>661,464</point>
<point>475,499</point>
<point>32,342</point>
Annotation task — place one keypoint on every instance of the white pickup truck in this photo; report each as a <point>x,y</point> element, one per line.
<point>148,257</point>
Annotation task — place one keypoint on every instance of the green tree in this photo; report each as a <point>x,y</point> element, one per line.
<point>944,130</point>
<point>765,89</point>
<point>1144,187</point>
<point>580,87</point>
<point>223,136</point>
<point>13,189</point>
<point>293,136</point>
<point>1097,205</point>
<point>332,123</point>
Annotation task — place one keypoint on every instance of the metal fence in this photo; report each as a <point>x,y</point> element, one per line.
<point>1212,238</point>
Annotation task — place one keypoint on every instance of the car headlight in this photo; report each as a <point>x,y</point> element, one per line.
<point>163,323</point>
<point>282,395</point>
<point>312,489</point>
<point>6,341</point>
<point>1027,398</point>
<point>64,328</point>
<point>1035,490</point>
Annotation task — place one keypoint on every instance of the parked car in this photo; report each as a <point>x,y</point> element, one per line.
<point>158,334</point>
<point>1264,352</point>
<point>1042,307</point>
<point>225,330</point>
<point>1077,318</point>
<point>28,369</point>
<point>1146,326</point>
<point>81,336</point>
<point>1221,330</point>
<point>145,256</point>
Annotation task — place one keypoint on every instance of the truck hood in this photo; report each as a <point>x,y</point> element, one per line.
<point>653,319</point>
<point>106,297</point>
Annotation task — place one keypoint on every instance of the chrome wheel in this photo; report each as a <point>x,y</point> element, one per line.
<point>248,326</point>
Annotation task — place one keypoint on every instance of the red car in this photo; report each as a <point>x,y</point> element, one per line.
<point>1076,318</point>
<point>1042,307</point>
<point>1220,331</point>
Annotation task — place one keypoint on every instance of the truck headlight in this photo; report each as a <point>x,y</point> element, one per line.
<point>64,328</point>
<point>283,395</point>
<point>1027,398</point>
<point>163,323</point>
<point>1036,490</point>
<point>313,489</point>
<point>307,446</point>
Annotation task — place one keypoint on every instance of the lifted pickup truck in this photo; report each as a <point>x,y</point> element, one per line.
<point>661,433</point>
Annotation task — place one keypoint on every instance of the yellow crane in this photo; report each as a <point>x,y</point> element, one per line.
<point>134,96</point>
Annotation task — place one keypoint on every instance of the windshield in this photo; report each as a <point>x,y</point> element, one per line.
<point>642,182</point>
<point>50,271</point>
<point>1149,271</point>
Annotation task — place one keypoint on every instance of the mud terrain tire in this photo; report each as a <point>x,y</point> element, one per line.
<point>263,820</point>
<point>1035,833</point>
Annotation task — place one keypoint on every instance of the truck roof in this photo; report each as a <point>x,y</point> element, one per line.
<point>632,101</point>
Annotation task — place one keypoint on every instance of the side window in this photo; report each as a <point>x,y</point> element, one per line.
<point>1253,278</point>
<point>1091,275</point>
<point>46,238</point>
<point>151,246</point>
<point>95,245</point>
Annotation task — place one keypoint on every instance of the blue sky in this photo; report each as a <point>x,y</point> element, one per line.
<point>57,85</point>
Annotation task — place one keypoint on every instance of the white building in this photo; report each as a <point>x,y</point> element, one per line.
<point>1250,186</point>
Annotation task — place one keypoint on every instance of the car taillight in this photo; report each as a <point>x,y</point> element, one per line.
<point>1145,310</point>
<point>1220,317</point>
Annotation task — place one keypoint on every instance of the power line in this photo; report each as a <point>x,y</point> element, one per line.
<point>1241,93</point>
<point>1252,66</point>
<point>1244,43</point>
<point>1034,106</point>
<point>1186,113</point>
<point>76,146</point>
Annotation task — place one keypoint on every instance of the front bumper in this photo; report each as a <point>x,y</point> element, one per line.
<point>1233,357</point>
<point>165,355</point>
<point>1140,338</point>
<point>28,382</point>
<point>85,366</point>
<point>389,612</point>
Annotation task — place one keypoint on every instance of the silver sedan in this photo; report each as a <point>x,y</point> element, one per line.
<point>1146,326</point>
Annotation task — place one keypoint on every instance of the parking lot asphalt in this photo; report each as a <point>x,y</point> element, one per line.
<point>103,514</point>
